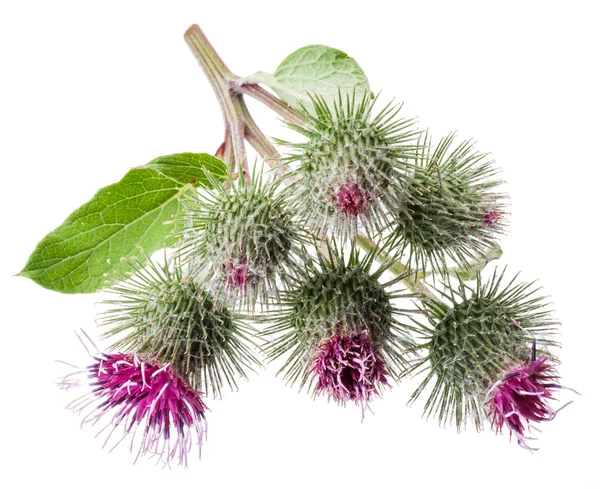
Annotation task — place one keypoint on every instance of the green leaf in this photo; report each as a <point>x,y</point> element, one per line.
<point>316,69</point>
<point>189,168</point>
<point>133,213</point>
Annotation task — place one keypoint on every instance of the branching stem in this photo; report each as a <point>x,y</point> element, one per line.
<point>398,268</point>
<point>240,127</point>
<point>230,90</point>
<point>276,105</point>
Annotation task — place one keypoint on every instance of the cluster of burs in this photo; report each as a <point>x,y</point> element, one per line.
<point>356,262</point>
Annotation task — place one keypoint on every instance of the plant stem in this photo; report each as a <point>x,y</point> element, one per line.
<point>239,124</point>
<point>409,277</point>
<point>258,140</point>
<point>284,110</point>
<point>232,105</point>
<point>469,270</point>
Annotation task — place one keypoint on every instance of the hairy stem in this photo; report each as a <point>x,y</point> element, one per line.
<point>399,269</point>
<point>239,124</point>
<point>240,127</point>
<point>258,140</point>
<point>232,104</point>
<point>269,100</point>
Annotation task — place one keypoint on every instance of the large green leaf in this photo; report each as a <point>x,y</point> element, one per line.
<point>135,212</point>
<point>319,70</point>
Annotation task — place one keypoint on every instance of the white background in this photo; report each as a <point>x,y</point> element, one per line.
<point>89,89</point>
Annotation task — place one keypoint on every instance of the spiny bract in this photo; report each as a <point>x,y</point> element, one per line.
<point>454,211</point>
<point>352,168</point>
<point>339,309</point>
<point>240,242</point>
<point>473,341</point>
<point>163,316</point>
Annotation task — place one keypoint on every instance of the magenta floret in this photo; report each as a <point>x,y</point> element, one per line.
<point>144,396</point>
<point>349,368</point>
<point>351,200</point>
<point>523,396</point>
<point>490,218</point>
<point>236,274</point>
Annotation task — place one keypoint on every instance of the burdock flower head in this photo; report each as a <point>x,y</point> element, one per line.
<point>239,242</point>
<point>349,368</point>
<point>472,339</point>
<point>341,328</point>
<point>455,213</point>
<point>163,315</point>
<point>352,168</point>
<point>146,401</point>
<point>523,396</point>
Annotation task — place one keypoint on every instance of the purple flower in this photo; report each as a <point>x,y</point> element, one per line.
<point>150,403</point>
<point>490,218</point>
<point>522,396</point>
<point>349,368</point>
<point>236,273</point>
<point>351,200</point>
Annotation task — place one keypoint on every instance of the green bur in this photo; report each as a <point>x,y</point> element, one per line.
<point>473,341</point>
<point>454,211</point>
<point>239,242</point>
<point>338,295</point>
<point>347,145</point>
<point>163,316</point>
<point>251,225</point>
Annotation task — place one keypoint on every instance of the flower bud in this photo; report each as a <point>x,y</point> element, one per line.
<point>455,212</point>
<point>472,341</point>
<point>352,167</point>
<point>163,316</point>
<point>240,242</point>
<point>340,327</point>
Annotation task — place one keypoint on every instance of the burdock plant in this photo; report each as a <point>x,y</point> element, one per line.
<point>363,249</point>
